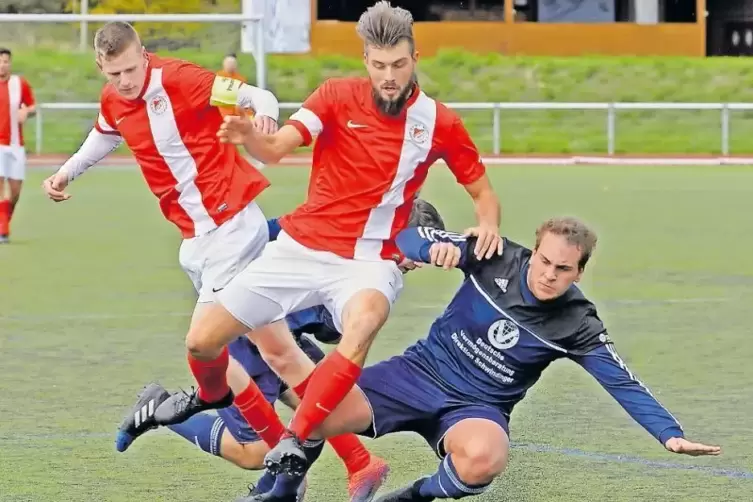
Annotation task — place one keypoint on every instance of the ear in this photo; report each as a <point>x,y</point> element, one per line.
<point>578,277</point>
<point>365,58</point>
<point>415,56</point>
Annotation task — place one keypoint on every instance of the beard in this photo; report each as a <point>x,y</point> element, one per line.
<point>393,107</point>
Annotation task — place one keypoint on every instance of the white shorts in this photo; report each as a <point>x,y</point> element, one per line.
<point>12,162</point>
<point>212,259</point>
<point>295,277</point>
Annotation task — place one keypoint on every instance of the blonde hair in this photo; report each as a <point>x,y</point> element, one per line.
<point>383,25</point>
<point>114,38</point>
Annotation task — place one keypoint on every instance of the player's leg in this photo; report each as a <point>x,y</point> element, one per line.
<point>16,177</point>
<point>15,186</point>
<point>474,443</point>
<point>5,164</point>
<point>361,295</point>
<point>366,472</point>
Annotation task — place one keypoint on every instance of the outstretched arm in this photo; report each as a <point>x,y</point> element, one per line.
<point>98,144</point>
<point>604,364</point>
<point>438,247</point>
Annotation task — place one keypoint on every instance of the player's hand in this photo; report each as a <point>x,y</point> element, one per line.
<point>55,185</point>
<point>236,128</point>
<point>444,254</point>
<point>685,447</point>
<point>23,114</point>
<point>488,241</point>
<point>407,265</point>
<point>265,125</point>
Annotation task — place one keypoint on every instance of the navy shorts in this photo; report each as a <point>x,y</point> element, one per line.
<point>405,398</point>
<point>246,353</point>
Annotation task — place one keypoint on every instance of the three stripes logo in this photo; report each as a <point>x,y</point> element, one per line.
<point>146,412</point>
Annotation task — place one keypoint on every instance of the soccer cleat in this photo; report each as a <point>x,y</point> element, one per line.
<point>408,493</point>
<point>363,485</point>
<point>254,496</point>
<point>141,417</point>
<point>181,406</point>
<point>288,457</point>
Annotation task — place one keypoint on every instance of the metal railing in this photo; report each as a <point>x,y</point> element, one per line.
<point>610,120</point>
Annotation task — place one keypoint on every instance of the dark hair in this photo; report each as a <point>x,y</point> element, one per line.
<point>4,51</point>
<point>424,214</point>
<point>231,55</point>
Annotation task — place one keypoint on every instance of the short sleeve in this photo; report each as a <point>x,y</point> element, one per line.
<point>27,95</point>
<point>195,84</point>
<point>104,124</point>
<point>461,154</point>
<point>315,112</point>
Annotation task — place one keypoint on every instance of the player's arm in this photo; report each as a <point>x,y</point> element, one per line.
<point>102,140</point>
<point>437,247</point>
<point>464,161</point>
<point>304,125</point>
<point>604,364</point>
<point>228,91</point>
<point>28,104</point>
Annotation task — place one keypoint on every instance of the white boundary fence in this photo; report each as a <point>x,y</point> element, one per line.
<point>496,109</point>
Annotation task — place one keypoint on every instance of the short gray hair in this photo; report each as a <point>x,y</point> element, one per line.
<point>114,38</point>
<point>424,214</point>
<point>383,25</point>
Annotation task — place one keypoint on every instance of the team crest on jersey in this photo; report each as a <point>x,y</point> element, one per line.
<point>604,338</point>
<point>158,104</point>
<point>503,334</point>
<point>418,133</point>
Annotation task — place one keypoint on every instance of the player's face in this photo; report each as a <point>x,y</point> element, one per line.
<point>553,267</point>
<point>229,65</point>
<point>4,66</point>
<point>127,71</point>
<point>392,73</point>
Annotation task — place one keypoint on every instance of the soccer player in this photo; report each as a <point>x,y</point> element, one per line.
<point>163,109</point>
<point>16,106</point>
<point>230,68</point>
<point>512,316</point>
<point>377,138</point>
<point>232,438</point>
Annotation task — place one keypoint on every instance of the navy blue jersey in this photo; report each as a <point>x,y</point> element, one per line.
<point>495,338</point>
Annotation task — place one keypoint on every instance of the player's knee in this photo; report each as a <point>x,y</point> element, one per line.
<point>199,343</point>
<point>480,461</point>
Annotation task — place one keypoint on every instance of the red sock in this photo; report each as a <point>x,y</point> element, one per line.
<point>348,447</point>
<point>330,383</point>
<point>4,217</point>
<point>260,414</point>
<point>351,450</point>
<point>300,389</point>
<point>211,376</point>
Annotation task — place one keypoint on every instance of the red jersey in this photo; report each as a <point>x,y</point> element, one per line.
<point>171,129</point>
<point>14,92</point>
<point>368,167</point>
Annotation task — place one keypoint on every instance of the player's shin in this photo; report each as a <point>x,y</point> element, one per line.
<point>259,414</point>
<point>328,386</point>
<point>210,376</point>
<point>204,430</point>
<point>4,217</point>
<point>447,484</point>
<point>335,376</point>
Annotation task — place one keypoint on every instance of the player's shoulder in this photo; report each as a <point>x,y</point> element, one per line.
<point>505,266</point>
<point>446,116</point>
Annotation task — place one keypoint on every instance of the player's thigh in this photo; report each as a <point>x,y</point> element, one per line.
<point>360,299</point>
<point>478,439</point>
<point>248,455</point>
<point>283,279</point>
<point>280,351</point>
<point>230,248</point>
<point>16,167</point>
<point>397,397</point>
<point>6,161</point>
<point>212,327</point>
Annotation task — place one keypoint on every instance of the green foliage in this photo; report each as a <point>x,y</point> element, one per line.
<point>459,76</point>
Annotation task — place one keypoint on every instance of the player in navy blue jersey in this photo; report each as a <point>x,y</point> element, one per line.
<point>512,316</point>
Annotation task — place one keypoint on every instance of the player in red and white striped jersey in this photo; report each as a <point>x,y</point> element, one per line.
<point>377,138</point>
<point>16,105</point>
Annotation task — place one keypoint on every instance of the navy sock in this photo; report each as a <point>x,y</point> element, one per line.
<point>265,483</point>
<point>202,429</point>
<point>446,484</point>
